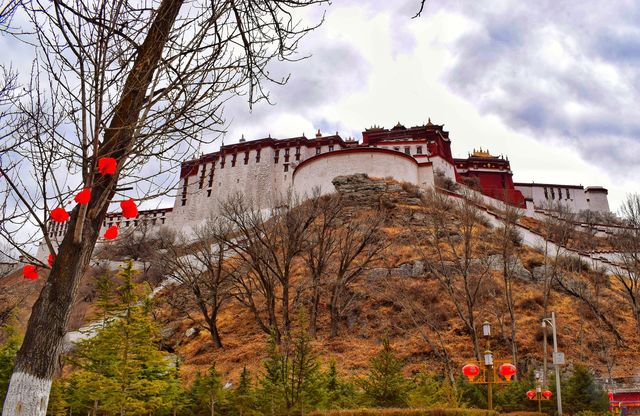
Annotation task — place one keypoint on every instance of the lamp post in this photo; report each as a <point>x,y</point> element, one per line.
<point>558,358</point>
<point>489,377</point>
<point>488,363</point>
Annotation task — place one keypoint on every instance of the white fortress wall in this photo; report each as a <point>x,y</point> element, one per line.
<point>442,165</point>
<point>597,198</point>
<point>375,162</point>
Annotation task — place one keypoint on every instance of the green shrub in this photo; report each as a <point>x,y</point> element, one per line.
<point>406,412</point>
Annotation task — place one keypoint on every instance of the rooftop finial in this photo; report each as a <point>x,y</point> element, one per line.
<point>318,134</point>
<point>242,140</point>
<point>429,123</point>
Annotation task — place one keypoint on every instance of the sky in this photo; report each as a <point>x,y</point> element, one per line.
<point>554,85</point>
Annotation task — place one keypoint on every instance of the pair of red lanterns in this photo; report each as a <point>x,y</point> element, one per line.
<point>531,394</point>
<point>471,371</point>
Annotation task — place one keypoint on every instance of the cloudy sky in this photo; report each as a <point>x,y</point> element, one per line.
<point>553,85</point>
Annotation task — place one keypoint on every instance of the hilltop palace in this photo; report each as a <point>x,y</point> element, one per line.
<point>420,155</point>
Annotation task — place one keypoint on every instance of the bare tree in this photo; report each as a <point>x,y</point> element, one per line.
<point>558,229</point>
<point>509,240</point>
<point>455,255</point>
<point>320,247</point>
<point>626,242</point>
<point>137,82</point>
<point>200,264</point>
<point>359,242</point>
<point>267,244</point>
<point>425,319</point>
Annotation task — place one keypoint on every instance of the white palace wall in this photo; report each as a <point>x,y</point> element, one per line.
<point>321,170</point>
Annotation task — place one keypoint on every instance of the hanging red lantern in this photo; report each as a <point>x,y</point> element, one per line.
<point>107,166</point>
<point>111,233</point>
<point>547,394</point>
<point>50,260</point>
<point>507,371</point>
<point>129,208</point>
<point>83,196</point>
<point>531,394</point>
<point>30,272</point>
<point>59,215</point>
<point>471,371</point>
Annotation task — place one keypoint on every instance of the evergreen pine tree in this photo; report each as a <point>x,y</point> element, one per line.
<point>430,391</point>
<point>385,385</point>
<point>208,392</point>
<point>57,403</point>
<point>122,369</point>
<point>581,392</point>
<point>339,394</point>
<point>243,395</point>
<point>8,352</point>
<point>292,382</point>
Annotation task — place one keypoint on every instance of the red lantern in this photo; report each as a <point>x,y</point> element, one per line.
<point>30,272</point>
<point>50,260</point>
<point>531,394</point>
<point>471,371</point>
<point>507,371</point>
<point>83,196</point>
<point>107,166</point>
<point>547,394</point>
<point>59,215</point>
<point>610,394</point>
<point>111,233</point>
<point>129,208</point>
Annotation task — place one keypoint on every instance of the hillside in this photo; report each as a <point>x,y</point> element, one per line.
<point>400,296</point>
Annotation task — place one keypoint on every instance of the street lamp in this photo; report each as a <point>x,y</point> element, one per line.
<point>558,358</point>
<point>489,376</point>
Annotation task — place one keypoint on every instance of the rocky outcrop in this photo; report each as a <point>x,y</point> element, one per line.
<point>360,189</point>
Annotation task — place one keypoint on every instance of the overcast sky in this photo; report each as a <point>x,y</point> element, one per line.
<point>552,85</point>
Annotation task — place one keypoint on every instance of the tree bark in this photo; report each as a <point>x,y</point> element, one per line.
<point>315,301</point>
<point>37,359</point>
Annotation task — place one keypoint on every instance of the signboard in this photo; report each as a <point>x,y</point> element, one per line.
<point>558,358</point>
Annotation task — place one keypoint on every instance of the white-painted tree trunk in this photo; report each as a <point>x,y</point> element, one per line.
<point>27,396</point>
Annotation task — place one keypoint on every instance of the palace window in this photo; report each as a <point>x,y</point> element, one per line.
<point>286,167</point>
<point>546,195</point>
<point>568,196</point>
<point>276,156</point>
<point>202,175</point>
<point>331,148</point>
<point>419,150</point>
<point>286,151</point>
<point>222,162</point>
<point>298,153</point>
<point>184,192</point>
<point>258,156</point>
<point>553,194</point>
<point>396,148</point>
<point>318,150</point>
<point>213,167</point>
<point>407,150</point>
<point>208,195</point>
<point>233,159</point>
<point>246,157</point>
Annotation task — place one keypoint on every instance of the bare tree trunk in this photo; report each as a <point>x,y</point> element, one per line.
<point>315,301</point>
<point>37,360</point>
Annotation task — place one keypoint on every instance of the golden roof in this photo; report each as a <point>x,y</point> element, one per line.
<point>481,153</point>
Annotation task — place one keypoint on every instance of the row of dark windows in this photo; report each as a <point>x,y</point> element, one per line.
<point>276,159</point>
<point>549,193</point>
<point>407,150</point>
